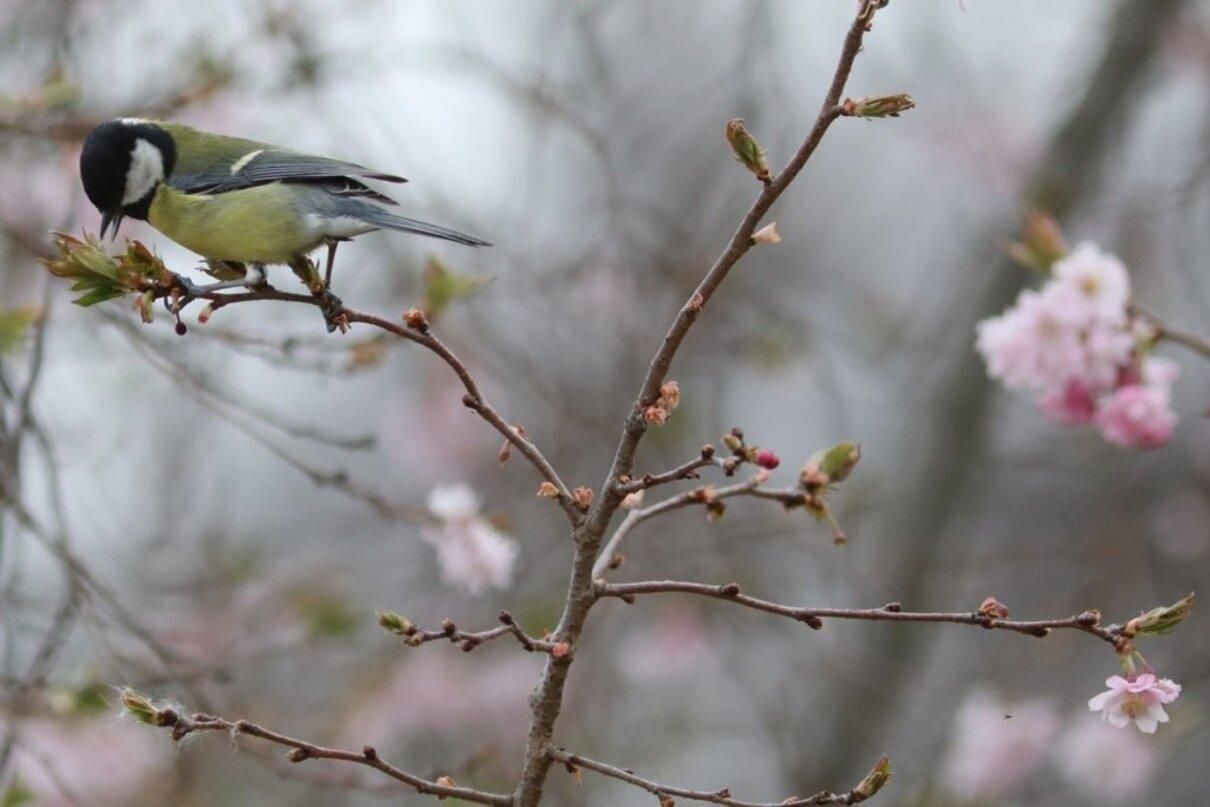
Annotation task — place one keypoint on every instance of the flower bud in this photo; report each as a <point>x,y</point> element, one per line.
<point>1041,242</point>
<point>547,490</point>
<point>877,106</point>
<point>993,609</point>
<point>416,319</point>
<point>767,459</point>
<point>145,305</point>
<point>582,496</point>
<point>632,501</point>
<point>670,394</point>
<point>655,415</point>
<point>393,622</point>
<point>767,234</point>
<point>1159,621</point>
<point>873,781</point>
<point>747,150</point>
<point>732,442</point>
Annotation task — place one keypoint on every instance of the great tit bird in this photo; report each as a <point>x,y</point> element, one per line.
<point>235,201</point>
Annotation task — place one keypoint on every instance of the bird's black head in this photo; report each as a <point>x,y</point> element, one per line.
<point>121,164</point>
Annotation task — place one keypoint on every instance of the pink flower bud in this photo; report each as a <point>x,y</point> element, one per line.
<point>767,459</point>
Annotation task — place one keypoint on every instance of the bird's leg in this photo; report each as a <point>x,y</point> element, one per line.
<point>331,305</point>
<point>332,244</point>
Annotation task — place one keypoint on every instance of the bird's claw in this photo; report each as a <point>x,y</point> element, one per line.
<point>333,309</point>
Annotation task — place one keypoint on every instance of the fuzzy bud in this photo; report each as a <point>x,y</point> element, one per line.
<point>877,106</point>
<point>732,442</point>
<point>632,501</point>
<point>140,707</point>
<point>393,622</point>
<point>670,395</point>
<point>655,415</point>
<point>993,609</point>
<point>416,319</point>
<point>747,150</point>
<point>547,490</point>
<point>836,463</point>
<point>873,781</point>
<point>1159,621</point>
<point>582,496</point>
<point>767,234</point>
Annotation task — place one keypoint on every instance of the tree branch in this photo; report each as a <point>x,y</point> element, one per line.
<point>302,751</point>
<point>546,701</point>
<point>423,336</point>
<point>1165,332</point>
<point>414,636</point>
<point>723,796</point>
<point>789,497</point>
<point>1087,622</point>
<point>687,470</point>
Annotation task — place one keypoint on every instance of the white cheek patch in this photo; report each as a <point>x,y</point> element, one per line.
<point>146,169</point>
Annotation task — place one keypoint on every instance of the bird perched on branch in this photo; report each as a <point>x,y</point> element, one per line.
<point>238,203</point>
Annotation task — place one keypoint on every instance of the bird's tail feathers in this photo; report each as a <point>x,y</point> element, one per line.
<point>389,221</point>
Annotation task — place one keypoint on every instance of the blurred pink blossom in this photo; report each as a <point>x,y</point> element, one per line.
<point>433,691</point>
<point>1107,764</point>
<point>471,552</point>
<point>1137,417</point>
<point>83,760</point>
<point>1073,345</point>
<point>995,745</point>
<point>1140,699</point>
<point>673,644</point>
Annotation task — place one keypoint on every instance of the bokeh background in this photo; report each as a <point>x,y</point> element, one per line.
<point>201,500</point>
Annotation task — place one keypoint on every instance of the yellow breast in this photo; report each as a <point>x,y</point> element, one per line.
<point>254,225</point>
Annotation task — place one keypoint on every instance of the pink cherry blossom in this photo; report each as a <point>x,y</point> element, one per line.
<point>1140,699</point>
<point>1137,416</point>
<point>471,552</point>
<point>1099,278</point>
<point>1072,405</point>
<point>1075,347</point>
<point>1106,764</point>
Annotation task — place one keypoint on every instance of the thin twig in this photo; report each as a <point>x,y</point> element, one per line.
<point>1087,622</point>
<point>302,750</point>
<point>686,470</point>
<point>415,636</point>
<point>723,796</point>
<point>1164,331</point>
<point>787,496</point>
<point>473,399</point>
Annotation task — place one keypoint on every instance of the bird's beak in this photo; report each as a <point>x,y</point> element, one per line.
<point>108,219</point>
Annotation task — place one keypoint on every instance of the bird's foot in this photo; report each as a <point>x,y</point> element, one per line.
<point>333,309</point>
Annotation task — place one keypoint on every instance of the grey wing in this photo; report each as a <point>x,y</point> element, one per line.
<point>262,166</point>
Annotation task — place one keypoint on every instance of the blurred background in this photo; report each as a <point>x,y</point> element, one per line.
<point>214,519</point>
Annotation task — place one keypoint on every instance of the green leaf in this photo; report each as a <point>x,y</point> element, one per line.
<point>443,287</point>
<point>13,325</point>
<point>99,295</point>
